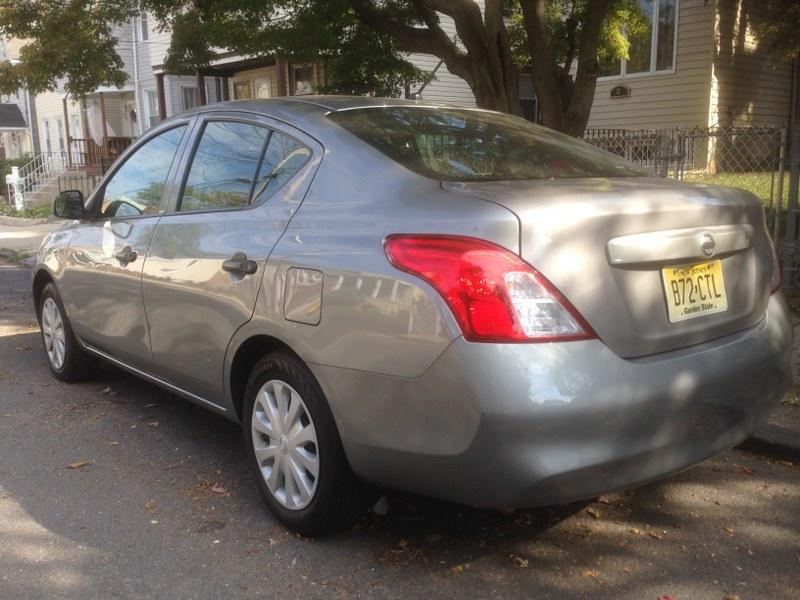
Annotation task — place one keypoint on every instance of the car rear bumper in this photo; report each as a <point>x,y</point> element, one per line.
<point>530,424</point>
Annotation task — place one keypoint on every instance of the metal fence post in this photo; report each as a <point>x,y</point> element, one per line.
<point>779,202</point>
<point>790,242</point>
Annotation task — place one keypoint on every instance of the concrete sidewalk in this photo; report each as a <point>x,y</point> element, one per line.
<point>24,235</point>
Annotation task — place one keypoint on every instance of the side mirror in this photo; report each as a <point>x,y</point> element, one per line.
<point>69,205</point>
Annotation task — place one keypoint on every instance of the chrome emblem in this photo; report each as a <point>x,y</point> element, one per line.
<point>708,245</point>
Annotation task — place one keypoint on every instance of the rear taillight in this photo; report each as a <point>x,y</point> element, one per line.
<point>494,295</point>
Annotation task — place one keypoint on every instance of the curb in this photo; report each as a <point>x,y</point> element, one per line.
<point>22,221</point>
<point>774,441</point>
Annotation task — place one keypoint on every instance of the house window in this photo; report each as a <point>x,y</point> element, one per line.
<point>151,108</point>
<point>48,145</point>
<point>651,34</point>
<point>144,32</point>
<point>60,134</point>
<point>241,90</point>
<point>190,97</point>
<point>302,79</point>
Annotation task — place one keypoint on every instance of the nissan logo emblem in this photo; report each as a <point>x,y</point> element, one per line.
<point>707,245</point>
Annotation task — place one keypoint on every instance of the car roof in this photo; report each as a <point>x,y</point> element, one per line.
<point>308,112</point>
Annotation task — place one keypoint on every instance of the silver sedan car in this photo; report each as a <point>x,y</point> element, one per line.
<point>447,301</point>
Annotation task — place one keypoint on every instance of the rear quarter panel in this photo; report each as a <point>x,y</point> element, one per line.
<point>373,317</point>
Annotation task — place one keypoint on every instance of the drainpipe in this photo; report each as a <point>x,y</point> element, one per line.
<point>136,74</point>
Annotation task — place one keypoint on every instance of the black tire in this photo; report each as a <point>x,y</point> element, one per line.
<point>340,497</point>
<point>77,365</point>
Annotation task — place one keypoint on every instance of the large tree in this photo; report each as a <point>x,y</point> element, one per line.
<point>364,42</point>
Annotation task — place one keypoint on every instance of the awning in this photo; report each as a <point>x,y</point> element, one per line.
<point>11,118</point>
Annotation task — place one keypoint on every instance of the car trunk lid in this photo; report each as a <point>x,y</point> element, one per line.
<point>604,243</point>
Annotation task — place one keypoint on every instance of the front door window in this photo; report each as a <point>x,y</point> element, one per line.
<point>136,187</point>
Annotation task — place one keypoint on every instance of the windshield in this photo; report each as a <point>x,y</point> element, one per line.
<point>471,145</point>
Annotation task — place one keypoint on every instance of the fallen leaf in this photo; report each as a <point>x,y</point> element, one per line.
<point>593,512</point>
<point>79,464</point>
<point>589,573</point>
<point>729,530</point>
<point>456,569</point>
<point>518,561</point>
<point>218,489</point>
<point>150,506</point>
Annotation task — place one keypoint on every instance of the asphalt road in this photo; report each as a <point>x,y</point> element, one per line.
<point>164,507</point>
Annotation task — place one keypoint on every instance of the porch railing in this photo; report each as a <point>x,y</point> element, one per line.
<point>84,153</point>
<point>41,168</point>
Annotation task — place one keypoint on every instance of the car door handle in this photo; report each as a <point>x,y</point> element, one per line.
<point>126,255</point>
<point>240,264</point>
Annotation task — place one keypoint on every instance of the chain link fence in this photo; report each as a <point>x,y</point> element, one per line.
<point>751,158</point>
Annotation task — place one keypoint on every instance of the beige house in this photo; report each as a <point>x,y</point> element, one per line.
<point>17,112</point>
<point>700,64</point>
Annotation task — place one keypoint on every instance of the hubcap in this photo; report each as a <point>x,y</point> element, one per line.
<point>55,340</point>
<point>285,444</point>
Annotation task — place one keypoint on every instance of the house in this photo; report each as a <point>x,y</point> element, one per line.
<point>18,136</point>
<point>699,64</point>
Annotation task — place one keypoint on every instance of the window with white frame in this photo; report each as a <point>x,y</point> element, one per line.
<point>48,145</point>
<point>652,33</point>
<point>190,97</point>
<point>144,32</point>
<point>151,108</point>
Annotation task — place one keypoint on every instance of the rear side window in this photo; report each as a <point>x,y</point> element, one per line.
<point>473,145</point>
<point>283,159</point>
<point>237,164</point>
<point>136,187</point>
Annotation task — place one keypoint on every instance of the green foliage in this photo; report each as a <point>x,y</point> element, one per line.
<point>359,60</point>
<point>7,163</point>
<point>565,19</point>
<point>32,212</point>
<point>69,39</point>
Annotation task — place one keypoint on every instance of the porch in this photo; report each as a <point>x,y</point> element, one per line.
<point>106,128</point>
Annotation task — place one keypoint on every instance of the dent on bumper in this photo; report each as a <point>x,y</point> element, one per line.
<point>523,425</point>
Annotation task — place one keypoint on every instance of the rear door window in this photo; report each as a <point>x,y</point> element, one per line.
<point>224,166</point>
<point>237,164</point>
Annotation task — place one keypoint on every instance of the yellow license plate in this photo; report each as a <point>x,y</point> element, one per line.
<point>694,290</point>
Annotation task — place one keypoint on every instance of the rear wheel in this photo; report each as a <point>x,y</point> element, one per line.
<point>294,449</point>
<point>68,362</point>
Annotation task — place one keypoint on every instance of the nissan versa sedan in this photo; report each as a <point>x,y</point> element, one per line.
<point>446,301</point>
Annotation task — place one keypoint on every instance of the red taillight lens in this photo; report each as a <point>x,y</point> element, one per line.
<point>495,296</point>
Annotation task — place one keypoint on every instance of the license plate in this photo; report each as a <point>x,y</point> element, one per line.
<point>694,290</point>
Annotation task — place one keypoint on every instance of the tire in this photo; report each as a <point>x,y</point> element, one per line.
<point>312,501</point>
<point>66,359</point>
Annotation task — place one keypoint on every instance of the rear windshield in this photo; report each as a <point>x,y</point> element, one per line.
<point>471,145</point>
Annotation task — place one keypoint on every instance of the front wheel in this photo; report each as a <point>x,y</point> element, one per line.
<point>68,362</point>
<point>294,449</point>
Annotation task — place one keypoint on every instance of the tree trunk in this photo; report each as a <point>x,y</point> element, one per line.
<point>487,64</point>
<point>564,105</point>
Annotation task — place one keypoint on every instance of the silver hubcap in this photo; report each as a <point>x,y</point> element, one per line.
<point>285,444</point>
<point>55,340</point>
